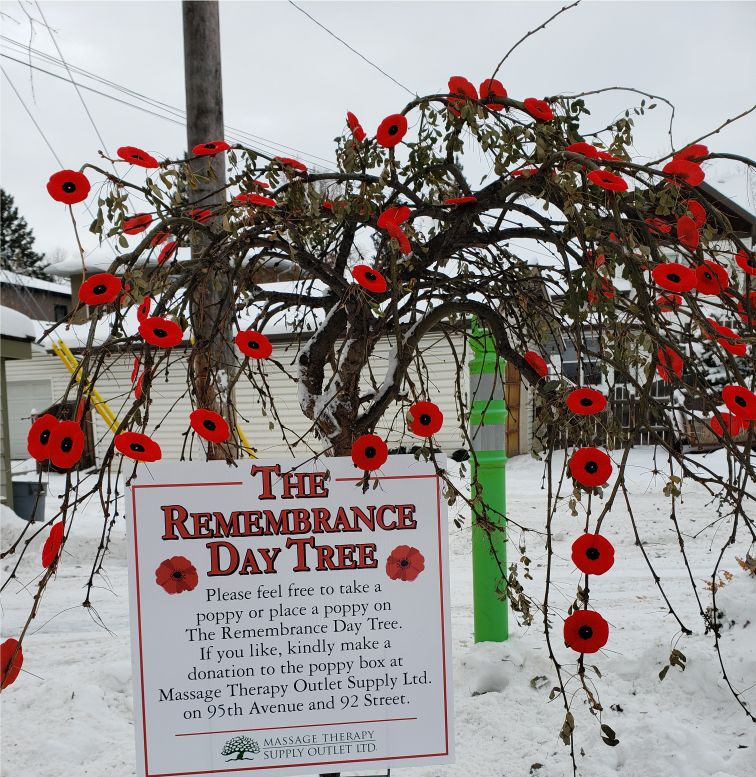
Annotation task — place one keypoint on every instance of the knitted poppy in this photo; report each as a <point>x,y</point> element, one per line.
<point>489,88</point>
<point>728,338</point>
<point>593,554</point>
<point>200,214</point>
<point>158,238</point>
<point>607,156</point>
<point>459,200</point>
<point>608,180</point>
<point>746,261</point>
<point>137,156</point>
<point>686,171</point>
<point>586,149</point>
<point>259,184</point>
<point>253,344</point>
<point>68,186</point>
<point>369,278</point>
<point>693,153</point>
<point>687,232</point>
<point>136,223</point>
<point>711,278</point>
<point>405,563</point>
<point>210,425</point>
<point>135,369</point>
<point>397,215</point>
<point>369,452</point>
<point>404,243</point>
<point>391,130</point>
<point>658,225</point>
<point>161,332</point>
<point>354,125</point>
<point>537,362</point>
<point>668,303</point>
<point>11,661</point>
<point>137,446</point>
<point>590,467</point>
<point>538,109</point>
<point>52,544</point>
<point>100,289</point>
<point>670,363</point>
<point>586,401</point>
<point>176,575</point>
<point>38,439</point>
<point>463,91</point>
<point>66,444</point>
<point>255,199</point>
<point>585,631</point>
<point>732,424</point>
<point>139,387</point>
<point>287,161</point>
<point>674,276</point>
<point>427,419</point>
<point>525,172</point>
<point>697,212</point>
<point>740,401</point>
<point>210,148</point>
<point>143,311</point>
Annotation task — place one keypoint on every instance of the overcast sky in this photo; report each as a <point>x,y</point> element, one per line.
<point>288,82</point>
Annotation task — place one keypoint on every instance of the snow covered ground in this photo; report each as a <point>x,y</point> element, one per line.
<point>70,711</point>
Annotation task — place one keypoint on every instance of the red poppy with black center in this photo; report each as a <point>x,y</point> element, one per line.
<point>538,109</point>
<point>161,332</point>
<point>460,200</point>
<point>391,130</point>
<point>11,661</point>
<point>369,452</point>
<point>427,419</point>
<point>586,401</point>
<point>253,344</point>
<point>682,169</point>
<point>658,225</point>
<point>52,544</point>
<point>668,303</point>
<point>463,91</point>
<point>537,362</point>
<point>711,278</point>
<point>693,153</point>
<point>38,439</point>
<point>100,289</point>
<point>137,156</point>
<point>354,125</point>
<point>369,278</point>
<point>740,402</point>
<point>730,422</point>
<point>138,446</point>
<point>177,575</point>
<point>489,88</point>
<point>210,148</point>
<point>586,149</point>
<point>593,554</point>
<point>696,211</point>
<point>68,186</point>
<point>687,232</point>
<point>167,251</point>
<point>66,444</point>
<point>405,563</point>
<point>585,631</point>
<point>590,467</point>
<point>670,363</point>
<point>674,276</point>
<point>608,180</point>
<point>287,161</point>
<point>136,223</point>
<point>143,311</point>
<point>209,425</point>
<point>746,261</point>
<point>256,199</point>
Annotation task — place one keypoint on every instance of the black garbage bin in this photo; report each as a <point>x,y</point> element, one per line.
<point>29,499</point>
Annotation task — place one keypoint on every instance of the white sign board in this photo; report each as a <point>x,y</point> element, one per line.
<point>285,621</point>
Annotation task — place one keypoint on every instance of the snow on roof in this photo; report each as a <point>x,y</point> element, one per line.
<point>15,324</point>
<point>16,279</point>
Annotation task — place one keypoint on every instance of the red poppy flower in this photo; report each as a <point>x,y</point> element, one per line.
<point>253,344</point>
<point>586,149</point>
<point>711,278</point>
<point>256,199</point>
<point>687,171</point>
<point>537,362</point>
<point>52,544</point>
<point>40,434</point>
<point>369,452</point>
<point>138,446</point>
<point>607,156</point>
<point>68,186</point>
<point>590,467</point>
<point>525,172</point>
<point>405,563</point>
<point>287,161</point>
<point>394,216</point>
<point>658,225</point>
<point>100,289</point>
<point>427,419</point>
<point>143,311</point>
<point>167,251</point>
<point>401,238</point>
<point>459,200</point>
<point>201,214</point>
<point>463,91</point>
<point>693,153</point>
<point>585,631</point>
<point>687,232</point>
<point>66,444</point>
<point>608,180</point>
<point>158,238</point>
<point>259,184</point>
<point>354,125</point>
<point>369,278</point>
<point>728,338</point>
<point>161,332</point>
<point>137,156</point>
<point>586,401</point>
<point>674,276</point>
<point>489,88</point>
<point>732,424</point>
<point>668,303</point>
<point>210,425</point>
<point>670,363</point>
<point>593,554</point>
<point>176,575</point>
<point>391,130</point>
<point>746,261</point>
<point>697,212</point>
<point>538,109</point>
<point>740,401</point>
<point>11,661</point>
<point>139,387</point>
<point>210,148</point>
<point>135,369</point>
<point>136,223</point>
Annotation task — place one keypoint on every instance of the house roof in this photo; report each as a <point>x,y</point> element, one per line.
<point>16,279</point>
<point>743,222</point>
<point>15,325</point>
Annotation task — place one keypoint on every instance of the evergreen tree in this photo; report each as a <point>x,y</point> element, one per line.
<point>17,252</point>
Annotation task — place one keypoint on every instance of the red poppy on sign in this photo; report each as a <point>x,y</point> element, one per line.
<point>176,575</point>
<point>137,446</point>
<point>161,332</point>
<point>538,109</point>
<point>590,467</point>
<point>137,156</point>
<point>608,180</point>
<point>670,363</point>
<point>369,278</point>
<point>687,232</point>
<point>209,425</point>
<point>586,401</point>
<point>369,452</point>
<point>287,161</point>
<point>66,444</point>
<point>537,362</point>
<point>746,261</point>
<point>11,661</point>
<point>253,344</point>
<point>391,130</point>
<point>405,563</point>
<point>674,276</point>
<point>585,631</point>
<point>100,289</point>
<point>489,88</point>
<point>711,278</point>
<point>136,223</point>
<point>740,401</point>
<point>52,544</point>
<point>210,148</point>
<point>38,439</point>
<point>686,171</point>
<point>593,554</point>
<point>427,419</point>
<point>68,186</point>
<point>354,125</point>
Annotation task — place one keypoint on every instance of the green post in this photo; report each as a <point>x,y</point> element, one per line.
<point>488,425</point>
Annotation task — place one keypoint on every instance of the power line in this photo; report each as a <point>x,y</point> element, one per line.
<point>353,50</point>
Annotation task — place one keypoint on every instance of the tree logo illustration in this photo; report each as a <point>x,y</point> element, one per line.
<point>238,747</point>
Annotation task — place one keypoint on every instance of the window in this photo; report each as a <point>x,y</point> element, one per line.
<point>61,311</point>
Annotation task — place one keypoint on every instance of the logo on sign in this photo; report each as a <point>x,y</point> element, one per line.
<point>239,747</point>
